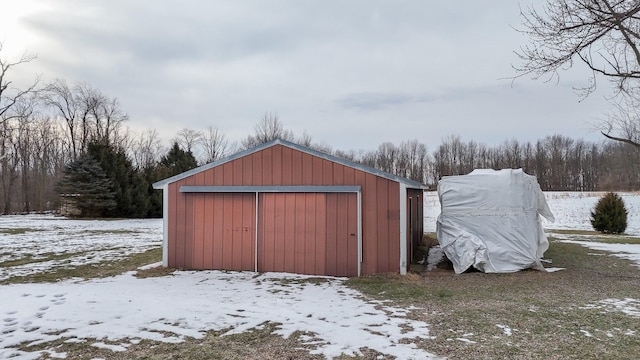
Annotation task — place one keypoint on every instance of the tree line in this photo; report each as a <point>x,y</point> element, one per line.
<point>61,140</point>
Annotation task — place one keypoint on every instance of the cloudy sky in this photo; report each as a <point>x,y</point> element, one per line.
<point>352,74</point>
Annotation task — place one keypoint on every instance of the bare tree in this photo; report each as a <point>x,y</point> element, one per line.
<point>305,139</point>
<point>603,35</point>
<point>387,157</point>
<point>623,123</point>
<point>15,108</point>
<point>147,149</point>
<point>412,160</point>
<point>214,143</point>
<point>9,96</point>
<point>89,114</point>
<point>60,96</point>
<point>188,139</point>
<point>268,129</point>
<point>107,116</point>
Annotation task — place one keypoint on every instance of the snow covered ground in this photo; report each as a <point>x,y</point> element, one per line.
<point>119,311</point>
<point>122,310</point>
<point>71,242</point>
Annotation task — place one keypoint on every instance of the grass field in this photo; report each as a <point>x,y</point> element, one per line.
<point>589,310</point>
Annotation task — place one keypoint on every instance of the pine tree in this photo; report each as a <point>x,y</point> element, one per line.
<point>610,215</point>
<point>151,175</point>
<point>129,186</point>
<point>176,161</point>
<point>91,191</point>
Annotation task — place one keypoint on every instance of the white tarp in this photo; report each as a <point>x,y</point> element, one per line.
<point>490,219</point>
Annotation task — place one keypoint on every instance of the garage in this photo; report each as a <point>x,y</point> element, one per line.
<point>282,207</point>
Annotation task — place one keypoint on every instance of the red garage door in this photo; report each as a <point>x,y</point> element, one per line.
<point>224,231</point>
<point>308,233</point>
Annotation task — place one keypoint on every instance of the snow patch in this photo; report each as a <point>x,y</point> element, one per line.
<point>627,306</point>
<point>189,303</point>
<point>505,329</point>
<point>624,251</point>
<point>436,255</point>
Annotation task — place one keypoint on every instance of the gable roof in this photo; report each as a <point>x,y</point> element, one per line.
<point>408,182</point>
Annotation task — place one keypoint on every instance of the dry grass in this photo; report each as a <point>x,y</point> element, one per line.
<point>157,271</point>
<point>88,271</point>
<point>258,344</point>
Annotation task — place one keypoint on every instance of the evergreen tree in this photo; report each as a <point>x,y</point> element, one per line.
<point>86,185</point>
<point>130,188</point>
<point>610,214</point>
<point>176,161</point>
<point>151,175</point>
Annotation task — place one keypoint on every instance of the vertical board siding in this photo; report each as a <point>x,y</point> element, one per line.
<point>290,235</point>
<point>227,173</point>
<point>207,230</point>
<point>267,166</point>
<point>287,166</point>
<point>327,172</point>
<point>341,235</point>
<point>369,226</point>
<point>221,229</point>
<point>277,165</point>
<point>298,234</point>
<point>197,221</point>
<point>394,227</point>
<point>352,233</point>
<point>266,219</point>
<point>322,246</point>
<point>307,169</point>
<point>216,236</point>
<point>309,235</point>
<point>331,219</point>
<point>384,214</point>
<point>296,168</point>
<point>237,231</point>
<point>289,238</point>
<point>280,230</point>
<point>247,171</point>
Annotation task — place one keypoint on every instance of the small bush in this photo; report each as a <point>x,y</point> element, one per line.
<point>610,215</point>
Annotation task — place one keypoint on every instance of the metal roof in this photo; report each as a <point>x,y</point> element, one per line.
<point>409,183</point>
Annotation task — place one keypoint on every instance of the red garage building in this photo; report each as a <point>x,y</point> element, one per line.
<point>288,208</point>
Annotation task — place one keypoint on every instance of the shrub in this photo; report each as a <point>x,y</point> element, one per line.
<point>609,215</point>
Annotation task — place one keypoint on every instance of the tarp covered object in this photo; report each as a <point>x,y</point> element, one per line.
<point>490,219</point>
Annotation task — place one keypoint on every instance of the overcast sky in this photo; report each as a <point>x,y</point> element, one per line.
<point>353,74</point>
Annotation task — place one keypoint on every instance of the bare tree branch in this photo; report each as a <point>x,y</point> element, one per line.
<point>603,35</point>
<point>626,141</point>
